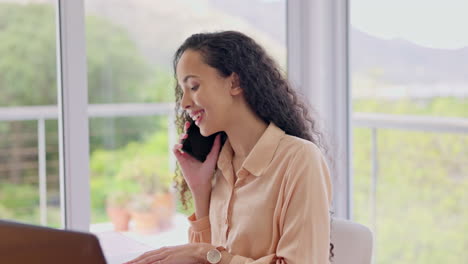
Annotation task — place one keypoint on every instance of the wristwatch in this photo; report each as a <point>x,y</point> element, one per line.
<point>214,255</point>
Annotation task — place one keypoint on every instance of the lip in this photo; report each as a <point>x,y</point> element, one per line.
<point>199,120</point>
<point>192,114</point>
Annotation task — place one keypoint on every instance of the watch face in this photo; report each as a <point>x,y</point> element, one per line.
<point>213,256</point>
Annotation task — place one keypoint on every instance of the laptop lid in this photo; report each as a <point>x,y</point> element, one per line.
<point>23,243</point>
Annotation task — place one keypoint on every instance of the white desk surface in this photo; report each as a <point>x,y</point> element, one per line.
<point>120,247</point>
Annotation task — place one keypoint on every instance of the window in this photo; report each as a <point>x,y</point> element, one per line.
<point>409,96</point>
<point>29,166</point>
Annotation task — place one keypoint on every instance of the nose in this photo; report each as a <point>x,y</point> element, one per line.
<point>186,101</point>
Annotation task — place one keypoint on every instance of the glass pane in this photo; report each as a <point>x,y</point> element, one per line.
<point>408,70</point>
<point>29,168</point>
<point>130,45</point>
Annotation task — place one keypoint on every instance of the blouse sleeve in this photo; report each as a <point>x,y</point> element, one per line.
<point>305,218</point>
<point>199,230</point>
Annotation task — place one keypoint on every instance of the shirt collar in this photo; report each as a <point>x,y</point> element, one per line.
<point>259,157</point>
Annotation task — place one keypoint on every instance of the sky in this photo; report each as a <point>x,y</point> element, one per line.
<point>441,24</point>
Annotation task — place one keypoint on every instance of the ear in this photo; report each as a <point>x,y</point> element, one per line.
<point>235,84</point>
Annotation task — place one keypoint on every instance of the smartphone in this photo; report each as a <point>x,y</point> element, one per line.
<point>198,145</point>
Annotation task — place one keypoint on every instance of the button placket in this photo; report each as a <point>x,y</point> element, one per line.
<point>229,213</point>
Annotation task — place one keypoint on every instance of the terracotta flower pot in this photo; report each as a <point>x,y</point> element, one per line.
<point>164,205</point>
<point>145,222</point>
<point>119,218</point>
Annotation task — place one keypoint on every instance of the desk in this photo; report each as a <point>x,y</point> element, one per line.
<point>119,247</point>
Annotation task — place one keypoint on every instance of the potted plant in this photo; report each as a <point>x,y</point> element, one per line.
<point>144,214</point>
<point>154,201</point>
<point>119,193</point>
<point>164,201</point>
<point>117,210</point>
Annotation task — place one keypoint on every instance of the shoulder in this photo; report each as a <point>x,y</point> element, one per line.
<point>306,165</point>
<point>302,159</point>
<point>297,149</point>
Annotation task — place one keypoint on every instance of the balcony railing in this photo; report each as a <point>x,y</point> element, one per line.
<point>42,113</point>
<point>400,122</point>
<point>370,120</point>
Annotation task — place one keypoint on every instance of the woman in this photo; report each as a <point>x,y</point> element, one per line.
<point>263,196</point>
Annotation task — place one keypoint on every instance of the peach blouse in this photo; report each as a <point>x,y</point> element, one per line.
<point>277,211</point>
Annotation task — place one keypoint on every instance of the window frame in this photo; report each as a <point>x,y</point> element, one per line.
<point>318,63</point>
<point>72,100</point>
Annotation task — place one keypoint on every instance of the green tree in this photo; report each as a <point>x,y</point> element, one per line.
<point>117,72</point>
<point>422,183</point>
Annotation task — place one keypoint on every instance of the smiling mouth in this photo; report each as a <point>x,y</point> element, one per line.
<point>197,118</point>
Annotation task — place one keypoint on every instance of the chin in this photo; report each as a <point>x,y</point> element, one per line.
<point>202,132</point>
<point>207,132</point>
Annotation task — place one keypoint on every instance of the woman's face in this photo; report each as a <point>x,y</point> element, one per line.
<point>206,94</point>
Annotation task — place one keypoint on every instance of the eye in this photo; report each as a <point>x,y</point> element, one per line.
<point>194,88</point>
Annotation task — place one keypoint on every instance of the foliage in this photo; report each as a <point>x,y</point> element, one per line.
<point>138,168</point>
<point>117,71</point>
<point>143,170</point>
<point>436,107</point>
<point>118,198</point>
<point>21,198</point>
<point>421,185</point>
<point>142,203</point>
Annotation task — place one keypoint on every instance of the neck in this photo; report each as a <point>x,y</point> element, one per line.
<point>245,132</point>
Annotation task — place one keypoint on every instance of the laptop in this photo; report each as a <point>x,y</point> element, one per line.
<point>22,243</point>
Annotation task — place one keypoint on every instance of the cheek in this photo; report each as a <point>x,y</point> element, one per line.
<point>221,104</point>
<point>216,109</point>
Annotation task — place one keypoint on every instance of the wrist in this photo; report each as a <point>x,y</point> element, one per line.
<point>203,190</point>
<point>202,251</point>
<point>202,207</point>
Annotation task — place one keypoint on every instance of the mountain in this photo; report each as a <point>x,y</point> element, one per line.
<point>160,26</point>
<point>403,62</point>
<point>398,61</point>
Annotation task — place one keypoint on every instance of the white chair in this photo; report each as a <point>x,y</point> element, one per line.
<point>352,242</point>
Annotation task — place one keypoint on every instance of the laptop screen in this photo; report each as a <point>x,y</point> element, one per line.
<point>22,243</point>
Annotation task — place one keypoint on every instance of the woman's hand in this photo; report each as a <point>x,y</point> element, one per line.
<point>183,254</point>
<point>197,174</point>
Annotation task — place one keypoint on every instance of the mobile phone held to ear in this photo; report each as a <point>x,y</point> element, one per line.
<point>198,145</point>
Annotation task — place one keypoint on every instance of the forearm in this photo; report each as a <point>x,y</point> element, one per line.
<point>201,198</point>
<point>200,230</point>
<point>202,206</point>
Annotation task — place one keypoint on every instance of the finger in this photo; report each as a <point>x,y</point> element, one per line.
<point>178,147</point>
<point>166,260</point>
<point>182,137</point>
<point>186,126</point>
<point>155,258</point>
<point>146,255</point>
<point>183,158</point>
<point>180,155</point>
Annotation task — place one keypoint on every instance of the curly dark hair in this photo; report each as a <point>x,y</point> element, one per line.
<point>265,87</point>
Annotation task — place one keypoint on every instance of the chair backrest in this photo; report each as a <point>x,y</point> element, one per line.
<point>352,242</point>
